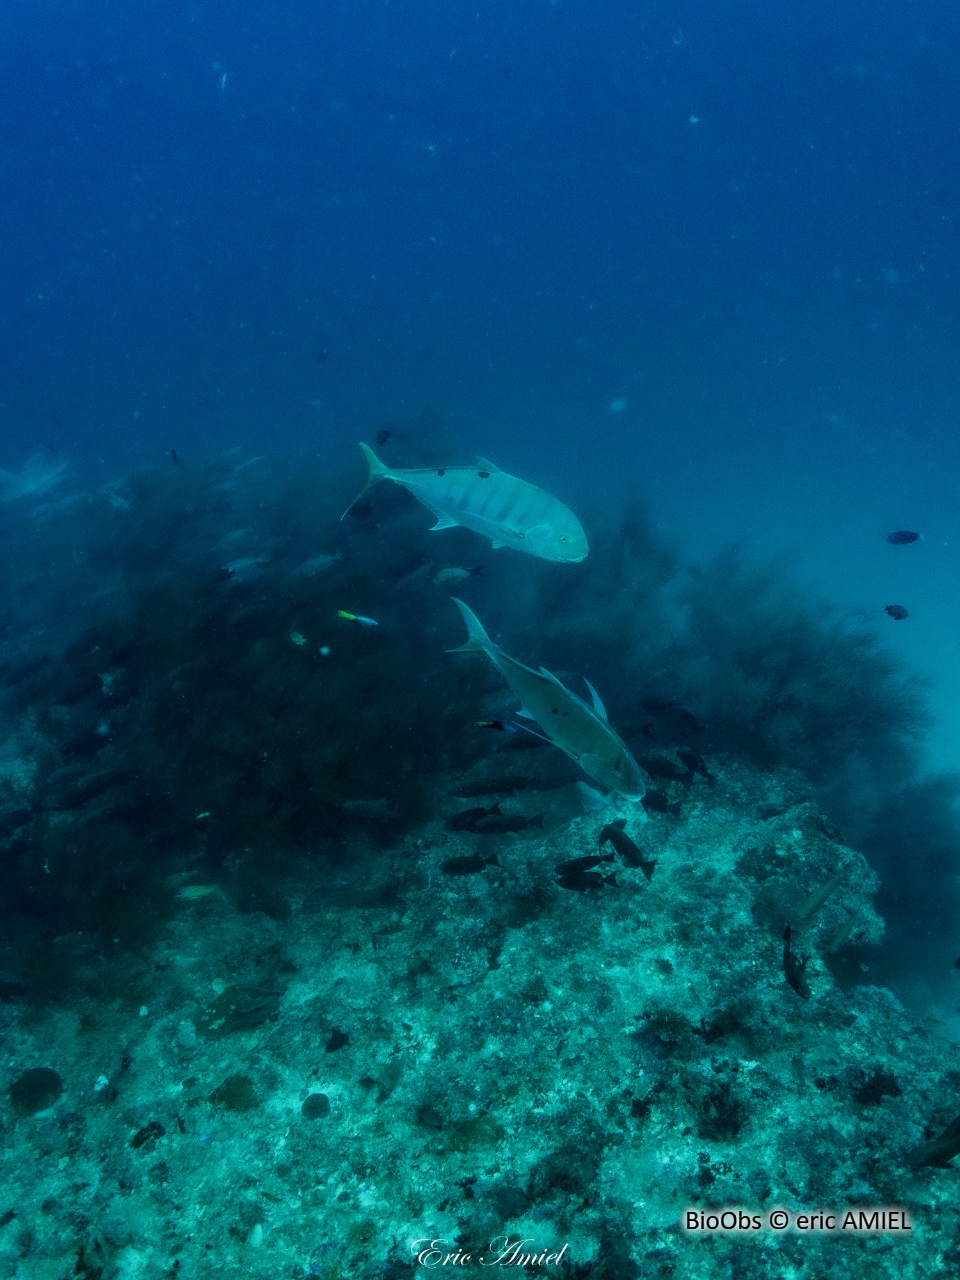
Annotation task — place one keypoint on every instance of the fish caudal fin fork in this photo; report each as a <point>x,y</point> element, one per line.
<point>378,472</point>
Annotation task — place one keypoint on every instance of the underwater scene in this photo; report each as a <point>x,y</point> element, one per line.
<point>479,640</point>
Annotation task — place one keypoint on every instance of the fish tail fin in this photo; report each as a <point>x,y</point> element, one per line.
<point>377,472</point>
<point>477,639</point>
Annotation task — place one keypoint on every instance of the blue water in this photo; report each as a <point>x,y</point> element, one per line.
<point>709,251</point>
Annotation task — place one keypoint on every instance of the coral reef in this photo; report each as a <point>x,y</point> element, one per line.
<point>276,1000</point>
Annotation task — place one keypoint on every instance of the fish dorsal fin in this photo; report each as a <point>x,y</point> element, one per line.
<point>548,675</point>
<point>487,466</point>
<point>443,522</point>
<point>598,706</point>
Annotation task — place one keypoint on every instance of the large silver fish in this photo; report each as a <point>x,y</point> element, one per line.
<point>40,473</point>
<point>509,511</point>
<point>580,731</point>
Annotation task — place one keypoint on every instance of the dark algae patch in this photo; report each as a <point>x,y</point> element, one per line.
<point>35,1090</point>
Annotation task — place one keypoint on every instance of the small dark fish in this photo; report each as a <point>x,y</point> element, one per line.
<point>508,786</point>
<point>362,509</point>
<point>695,762</point>
<point>574,866</point>
<point>690,720</point>
<point>174,457</point>
<point>490,787</point>
<point>503,824</point>
<point>13,818</point>
<point>467,866</point>
<point>902,537</point>
<point>25,671</point>
<point>383,436</point>
<point>658,706</point>
<point>661,766</point>
<point>938,1151</point>
<point>896,611</point>
<point>793,968</point>
<point>467,818</point>
<point>502,726</point>
<point>657,802</point>
<point>583,880</point>
<point>625,847</point>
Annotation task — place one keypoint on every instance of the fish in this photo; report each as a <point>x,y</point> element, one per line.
<point>628,850</point>
<point>896,611</point>
<point>574,866</point>
<point>502,824</point>
<point>502,726</point>
<point>452,574</point>
<point>584,880</point>
<point>243,567</point>
<point>661,766</point>
<point>358,618</point>
<point>376,811</point>
<point>466,818</point>
<point>657,802</point>
<point>40,473</point>
<point>695,762</point>
<point>509,511</point>
<point>793,968</point>
<point>316,565</point>
<point>468,866</point>
<point>24,671</point>
<point>508,786</point>
<point>581,732</point>
<point>197,892</point>
<point>938,1151</point>
<point>657,706</point>
<point>902,537</point>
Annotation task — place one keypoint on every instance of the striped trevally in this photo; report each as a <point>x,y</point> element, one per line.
<point>577,729</point>
<point>509,511</point>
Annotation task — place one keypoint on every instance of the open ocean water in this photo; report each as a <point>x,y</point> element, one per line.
<point>313,949</point>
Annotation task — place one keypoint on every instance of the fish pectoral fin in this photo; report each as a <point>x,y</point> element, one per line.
<point>526,714</point>
<point>496,546</point>
<point>443,522</point>
<point>598,706</point>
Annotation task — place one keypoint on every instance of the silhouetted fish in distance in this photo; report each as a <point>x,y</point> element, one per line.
<point>468,866</point>
<point>467,818</point>
<point>902,537</point>
<point>896,611</point>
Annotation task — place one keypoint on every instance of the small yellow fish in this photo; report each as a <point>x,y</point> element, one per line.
<point>197,892</point>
